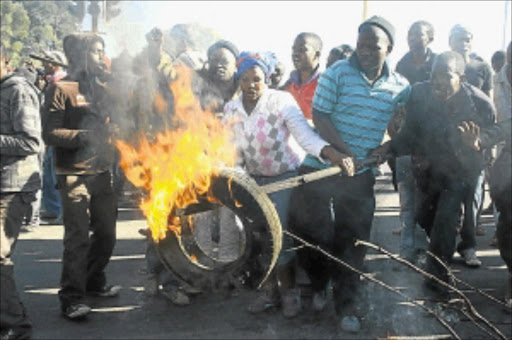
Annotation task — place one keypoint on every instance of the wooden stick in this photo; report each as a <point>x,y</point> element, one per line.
<point>380,283</point>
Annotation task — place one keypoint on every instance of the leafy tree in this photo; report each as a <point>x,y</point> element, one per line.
<point>35,26</point>
<point>14,27</point>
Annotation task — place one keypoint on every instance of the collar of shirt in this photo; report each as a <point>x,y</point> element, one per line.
<point>295,76</point>
<point>354,62</point>
<point>239,105</point>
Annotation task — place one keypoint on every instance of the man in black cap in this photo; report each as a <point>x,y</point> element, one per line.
<point>353,102</point>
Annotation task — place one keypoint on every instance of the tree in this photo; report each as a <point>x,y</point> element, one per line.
<point>14,28</point>
<point>34,26</point>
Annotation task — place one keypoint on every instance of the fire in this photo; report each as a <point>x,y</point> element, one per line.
<point>178,167</point>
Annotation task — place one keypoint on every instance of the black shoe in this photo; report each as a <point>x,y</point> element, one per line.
<point>76,311</point>
<point>106,291</point>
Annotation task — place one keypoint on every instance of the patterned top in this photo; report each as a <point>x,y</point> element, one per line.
<point>263,136</point>
<point>358,110</point>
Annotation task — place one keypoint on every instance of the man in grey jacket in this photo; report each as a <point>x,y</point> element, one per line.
<point>20,143</point>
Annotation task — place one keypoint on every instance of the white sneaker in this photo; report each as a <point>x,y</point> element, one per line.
<point>350,324</point>
<point>470,258</point>
<point>319,300</point>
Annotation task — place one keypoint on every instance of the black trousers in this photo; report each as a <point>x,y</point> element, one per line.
<point>89,203</point>
<point>439,201</point>
<point>332,213</point>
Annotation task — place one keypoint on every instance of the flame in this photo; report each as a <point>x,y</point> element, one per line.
<point>160,104</point>
<point>178,167</point>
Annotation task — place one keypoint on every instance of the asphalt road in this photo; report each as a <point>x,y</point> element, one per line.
<point>133,315</point>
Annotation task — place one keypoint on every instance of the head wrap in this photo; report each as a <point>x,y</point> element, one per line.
<point>223,44</point>
<point>383,24</point>
<point>267,61</point>
<point>459,29</point>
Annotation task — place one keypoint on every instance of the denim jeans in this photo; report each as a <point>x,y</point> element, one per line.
<point>50,201</point>
<point>472,207</point>
<point>12,209</point>
<point>156,267</point>
<point>281,201</point>
<point>412,237</point>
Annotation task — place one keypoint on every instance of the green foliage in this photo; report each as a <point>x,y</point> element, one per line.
<point>35,26</point>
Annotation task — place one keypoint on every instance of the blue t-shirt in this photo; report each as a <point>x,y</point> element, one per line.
<point>358,110</point>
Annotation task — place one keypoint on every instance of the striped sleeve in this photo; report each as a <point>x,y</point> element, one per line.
<point>326,92</point>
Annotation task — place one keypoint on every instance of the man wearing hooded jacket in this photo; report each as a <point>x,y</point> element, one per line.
<point>20,143</point>
<point>79,128</point>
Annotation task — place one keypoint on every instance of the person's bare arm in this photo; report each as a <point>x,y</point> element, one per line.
<point>328,132</point>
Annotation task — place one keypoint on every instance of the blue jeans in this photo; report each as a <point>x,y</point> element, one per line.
<point>472,206</point>
<point>281,200</point>
<point>51,202</point>
<point>412,237</point>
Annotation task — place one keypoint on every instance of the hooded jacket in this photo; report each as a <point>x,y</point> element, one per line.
<point>20,136</point>
<point>76,116</point>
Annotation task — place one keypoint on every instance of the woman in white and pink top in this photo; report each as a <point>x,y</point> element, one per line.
<point>263,121</point>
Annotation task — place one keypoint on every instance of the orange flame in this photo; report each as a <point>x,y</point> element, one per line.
<point>177,168</point>
<point>159,103</point>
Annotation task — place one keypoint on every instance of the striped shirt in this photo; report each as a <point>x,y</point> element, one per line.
<point>359,111</point>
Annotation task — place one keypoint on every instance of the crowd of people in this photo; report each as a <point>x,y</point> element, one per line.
<point>442,115</point>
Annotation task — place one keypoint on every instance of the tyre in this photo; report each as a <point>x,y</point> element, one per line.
<point>261,237</point>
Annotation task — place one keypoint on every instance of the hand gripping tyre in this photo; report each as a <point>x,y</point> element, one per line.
<point>261,237</point>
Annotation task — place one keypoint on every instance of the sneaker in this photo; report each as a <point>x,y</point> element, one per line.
<point>151,285</point>
<point>264,301</point>
<point>176,296</point>
<point>319,300</point>
<point>290,300</point>
<point>106,291</point>
<point>350,323</point>
<point>470,258</point>
<point>77,311</point>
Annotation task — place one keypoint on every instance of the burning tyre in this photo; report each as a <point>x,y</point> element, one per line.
<point>261,234</point>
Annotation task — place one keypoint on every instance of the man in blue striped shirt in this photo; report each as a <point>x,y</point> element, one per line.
<point>353,103</point>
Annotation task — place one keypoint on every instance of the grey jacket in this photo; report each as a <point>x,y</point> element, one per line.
<point>20,135</point>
